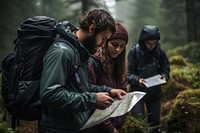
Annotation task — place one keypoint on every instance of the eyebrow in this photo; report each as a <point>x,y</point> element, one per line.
<point>105,37</point>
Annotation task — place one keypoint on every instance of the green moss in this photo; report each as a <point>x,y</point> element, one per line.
<point>134,125</point>
<point>190,51</point>
<point>5,128</point>
<point>184,76</point>
<point>179,60</point>
<point>185,112</point>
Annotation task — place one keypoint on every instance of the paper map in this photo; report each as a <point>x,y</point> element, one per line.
<point>153,81</point>
<point>118,108</point>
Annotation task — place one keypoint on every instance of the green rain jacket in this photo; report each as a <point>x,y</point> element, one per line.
<point>66,106</point>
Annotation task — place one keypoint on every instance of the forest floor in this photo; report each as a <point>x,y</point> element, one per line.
<point>27,127</point>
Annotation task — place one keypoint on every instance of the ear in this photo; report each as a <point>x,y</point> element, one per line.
<point>92,29</point>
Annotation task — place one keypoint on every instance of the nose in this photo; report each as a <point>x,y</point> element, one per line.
<point>117,48</point>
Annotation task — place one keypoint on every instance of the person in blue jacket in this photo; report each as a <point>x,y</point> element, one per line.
<point>147,59</point>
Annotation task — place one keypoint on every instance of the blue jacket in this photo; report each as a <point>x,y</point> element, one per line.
<point>143,63</point>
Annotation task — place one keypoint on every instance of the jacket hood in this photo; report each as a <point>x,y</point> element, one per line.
<point>149,32</point>
<point>65,30</point>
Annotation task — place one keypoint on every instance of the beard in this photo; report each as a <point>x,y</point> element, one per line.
<point>90,44</point>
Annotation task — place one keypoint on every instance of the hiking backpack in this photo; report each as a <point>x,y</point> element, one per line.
<point>22,68</point>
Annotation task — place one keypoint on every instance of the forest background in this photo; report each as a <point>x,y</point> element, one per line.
<point>178,20</point>
<point>179,24</point>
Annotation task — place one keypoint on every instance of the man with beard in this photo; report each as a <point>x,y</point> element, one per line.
<point>67,96</point>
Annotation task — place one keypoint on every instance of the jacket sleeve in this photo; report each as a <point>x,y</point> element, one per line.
<point>56,67</point>
<point>132,68</point>
<point>164,65</point>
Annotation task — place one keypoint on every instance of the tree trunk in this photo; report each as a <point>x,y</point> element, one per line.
<point>191,21</point>
<point>84,6</point>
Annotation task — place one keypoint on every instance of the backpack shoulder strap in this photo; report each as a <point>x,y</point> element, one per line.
<point>76,61</point>
<point>74,68</point>
<point>137,51</point>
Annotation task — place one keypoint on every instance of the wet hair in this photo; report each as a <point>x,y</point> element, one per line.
<point>100,18</point>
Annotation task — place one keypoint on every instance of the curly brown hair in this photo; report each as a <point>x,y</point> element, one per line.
<point>101,18</point>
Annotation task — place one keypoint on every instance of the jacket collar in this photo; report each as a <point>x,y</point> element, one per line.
<point>65,30</point>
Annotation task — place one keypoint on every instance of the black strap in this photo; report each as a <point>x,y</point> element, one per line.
<point>15,68</point>
<point>14,122</point>
<point>137,52</point>
<point>74,68</point>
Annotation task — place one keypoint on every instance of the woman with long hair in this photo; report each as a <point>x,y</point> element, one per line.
<point>108,67</point>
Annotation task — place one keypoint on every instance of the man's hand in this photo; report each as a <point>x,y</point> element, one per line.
<point>103,100</point>
<point>119,93</point>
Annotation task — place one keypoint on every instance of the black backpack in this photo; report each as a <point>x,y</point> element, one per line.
<point>22,68</point>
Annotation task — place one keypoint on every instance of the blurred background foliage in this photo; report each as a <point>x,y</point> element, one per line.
<point>178,20</point>
<point>179,24</point>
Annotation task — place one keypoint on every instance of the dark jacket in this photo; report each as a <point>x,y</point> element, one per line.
<point>108,125</point>
<point>66,104</point>
<point>143,63</point>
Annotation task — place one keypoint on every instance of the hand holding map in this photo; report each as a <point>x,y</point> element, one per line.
<point>118,108</point>
<point>154,80</point>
